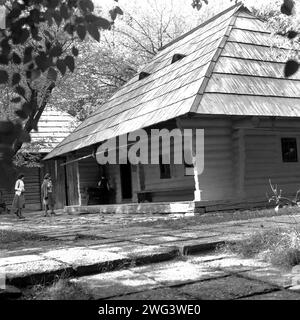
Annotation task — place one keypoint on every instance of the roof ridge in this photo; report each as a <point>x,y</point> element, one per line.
<point>237,5</point>
<point>214,60</point>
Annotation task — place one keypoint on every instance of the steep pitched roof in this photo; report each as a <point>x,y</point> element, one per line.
<point>228,67</point>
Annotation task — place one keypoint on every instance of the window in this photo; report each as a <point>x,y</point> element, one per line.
<point>177,57</point>
<point>289,149</point>
<point>165,170</point>
<point>143,75</point>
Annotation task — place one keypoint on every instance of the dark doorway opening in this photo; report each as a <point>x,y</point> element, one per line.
<point>126,181</point>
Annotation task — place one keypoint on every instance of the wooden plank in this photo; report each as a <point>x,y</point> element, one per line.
<point>250,51</point>
<point>72,174</point>
<point>232,104</point>
<point>260,86</point>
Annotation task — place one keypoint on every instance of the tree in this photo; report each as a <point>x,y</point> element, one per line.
<point>34,49</point>
<point>135,38</point>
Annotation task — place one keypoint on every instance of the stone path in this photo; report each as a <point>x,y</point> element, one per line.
<point>94,250</point>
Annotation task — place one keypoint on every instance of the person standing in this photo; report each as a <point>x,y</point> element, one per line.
<point>104,187</point>
<point>19,199</point>
<point>47,195</point>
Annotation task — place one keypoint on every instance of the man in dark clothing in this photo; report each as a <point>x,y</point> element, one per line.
<point>104,190</point>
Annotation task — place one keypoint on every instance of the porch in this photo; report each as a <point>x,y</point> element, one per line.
<point>179,207</point>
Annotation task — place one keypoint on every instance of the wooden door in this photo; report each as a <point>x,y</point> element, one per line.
<point>126,181</point>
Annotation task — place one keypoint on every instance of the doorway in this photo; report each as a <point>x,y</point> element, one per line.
<point>126,181</point>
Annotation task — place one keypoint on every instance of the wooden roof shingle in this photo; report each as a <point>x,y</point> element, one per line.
<point>230,66</point>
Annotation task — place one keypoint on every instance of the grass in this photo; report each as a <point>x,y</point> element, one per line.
<point>61,289</point>
<point>279,246</point>
<point>8,236</point>
<point>16,240</point>
<point>215,217</point>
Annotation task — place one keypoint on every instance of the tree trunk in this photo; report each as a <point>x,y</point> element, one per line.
<point>35,116</point>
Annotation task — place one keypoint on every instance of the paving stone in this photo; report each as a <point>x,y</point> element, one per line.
<point>19,259</point>
<point>237,264</point>
<point>177,272</point>
<point>25,273</point>
<point>156,294</point>
<point>295,288</point>
<point>85,260</point>
<point>275,295</point>
<point>155,240</point>
<point>115,283</point>
<point>272,275</point>
<point>227,288</point>
<point>195,234</point>
<point>196,245</point>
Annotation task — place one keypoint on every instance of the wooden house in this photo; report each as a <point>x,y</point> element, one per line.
<point>54,126</point>
<point>226,77</point>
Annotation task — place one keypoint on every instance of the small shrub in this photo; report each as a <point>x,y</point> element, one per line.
<point>62,289</point>
<point>281,247</point>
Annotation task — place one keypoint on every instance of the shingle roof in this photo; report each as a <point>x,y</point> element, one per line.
<point>229,68</point>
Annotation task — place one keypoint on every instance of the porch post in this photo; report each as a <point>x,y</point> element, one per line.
<point>197,191</point>
<point>181,124</point>
<point>73,181</point>
<point>140,180</point>
<point>241,163</point>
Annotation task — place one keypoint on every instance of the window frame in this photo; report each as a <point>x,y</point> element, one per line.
<point>289,140</point>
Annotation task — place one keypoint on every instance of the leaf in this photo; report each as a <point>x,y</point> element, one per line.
<point>69,28</point>
<point>287,7</point>
<point>57,17</point>
<point>114,12</point>
<point>93,31</point>
<point>81,31</point>
<point>103,23</point>
<point>292,34</point>
<point>64,11</point>
<point>42,61</point>
<point>52,74</point>
<point>16,100</point>
<point>56,51</point>
<point>22,37</point>
<point>3,76</point>
<point>21,114</point>
<point>16,59</point>
<point>52,3</point>
<point>69,60</point>
<point>49,35</point>
<point>291,67</point>
<point>16,78</point>
<point>28,74</point>
<point>3,59</point>
<point>27,54</point>
<point>119,10</point>
<point>61,66</point>
<point>20,90</point>
<point>35,74</point>
<point>75,51</point>
<point>86,5</point>
<point>25,110</point>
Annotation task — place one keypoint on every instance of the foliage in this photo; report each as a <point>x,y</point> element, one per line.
<point>35,48</point>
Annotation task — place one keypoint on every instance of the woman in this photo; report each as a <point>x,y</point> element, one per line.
<point>19,200</point>
<point>47,195</point>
